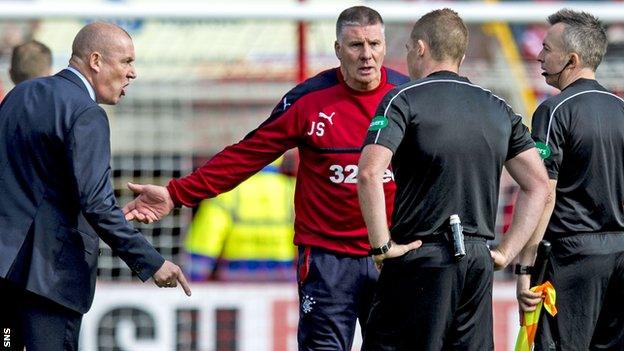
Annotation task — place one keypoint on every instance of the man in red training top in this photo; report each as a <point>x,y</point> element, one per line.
<point>326,117</point>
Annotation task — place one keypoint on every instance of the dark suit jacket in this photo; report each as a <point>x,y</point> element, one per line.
<point>55,168</point>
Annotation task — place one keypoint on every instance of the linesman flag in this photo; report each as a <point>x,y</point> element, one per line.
<point>528,325</point>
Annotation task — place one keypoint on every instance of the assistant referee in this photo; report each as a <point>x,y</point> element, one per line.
<point>448,140</point>
<point>580,134</point>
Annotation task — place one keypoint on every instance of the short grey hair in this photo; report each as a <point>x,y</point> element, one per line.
<point>583,34</point>
<point>357,16</point>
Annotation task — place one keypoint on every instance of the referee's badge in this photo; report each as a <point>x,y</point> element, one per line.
<point>379,122</point>
<point>542,149</point>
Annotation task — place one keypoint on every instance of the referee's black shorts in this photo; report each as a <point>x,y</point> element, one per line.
<point>587,271</point>
<point>426,301</point>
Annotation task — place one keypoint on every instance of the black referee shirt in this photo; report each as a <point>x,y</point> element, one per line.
<point>450,139</point>
<point>580,135</point>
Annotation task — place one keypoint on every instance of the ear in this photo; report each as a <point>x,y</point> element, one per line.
<point>462,59</point>
<point>575,60</point>
<point>95,61</point>
<point>421,47</point>
<point>336,49</point>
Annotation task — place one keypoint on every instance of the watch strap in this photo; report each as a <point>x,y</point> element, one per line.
<point>521,270</point>
<point>382,249</point>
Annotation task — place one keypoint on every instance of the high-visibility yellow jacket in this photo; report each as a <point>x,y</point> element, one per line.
<point>245,234</point>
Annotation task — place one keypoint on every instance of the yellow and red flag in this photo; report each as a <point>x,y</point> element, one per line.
<point>528,326</point>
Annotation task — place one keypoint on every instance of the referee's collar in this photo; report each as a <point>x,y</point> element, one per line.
<point>443,74</point>
<point>583,82</point>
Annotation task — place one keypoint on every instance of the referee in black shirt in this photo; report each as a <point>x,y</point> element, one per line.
<point>580,135</point>
<point>448,140</point>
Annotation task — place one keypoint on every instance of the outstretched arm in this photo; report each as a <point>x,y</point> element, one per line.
<point>221,173</point>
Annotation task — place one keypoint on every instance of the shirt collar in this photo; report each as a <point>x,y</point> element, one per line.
<point>444,73</point>
<point>84,80</point>
<point>583,82</point>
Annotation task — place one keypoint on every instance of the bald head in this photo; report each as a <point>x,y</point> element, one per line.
<point>104,54</point>
<point>97,37</point>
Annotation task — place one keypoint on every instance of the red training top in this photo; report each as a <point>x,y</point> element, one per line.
<point>327,121</point>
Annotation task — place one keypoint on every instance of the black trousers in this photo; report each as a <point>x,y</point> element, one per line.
<point>35,322</point>
<point>587,272</point>
<point>428,302</point>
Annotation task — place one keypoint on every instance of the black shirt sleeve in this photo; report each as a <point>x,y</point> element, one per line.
<point>549,137</point>
<point>520,138</point>
<point>390,122</point>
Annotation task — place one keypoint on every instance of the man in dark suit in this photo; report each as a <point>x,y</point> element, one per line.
<point>57,194</point>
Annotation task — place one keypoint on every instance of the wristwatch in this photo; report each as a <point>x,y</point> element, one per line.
<point>382,249</point>
<point>521,270</point>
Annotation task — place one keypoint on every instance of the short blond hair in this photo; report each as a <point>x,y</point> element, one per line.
<point>445,33</point>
